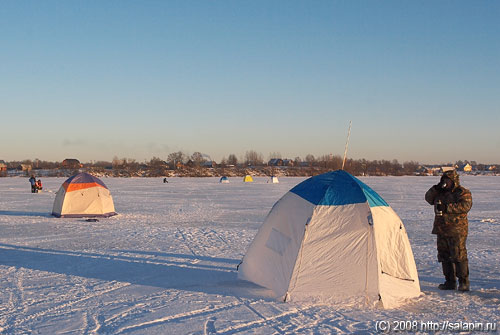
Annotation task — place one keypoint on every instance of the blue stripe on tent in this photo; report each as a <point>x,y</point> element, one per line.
<point>331,189</point>
<point>374,199</point>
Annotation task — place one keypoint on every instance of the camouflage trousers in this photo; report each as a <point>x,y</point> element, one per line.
<point>452,248</point>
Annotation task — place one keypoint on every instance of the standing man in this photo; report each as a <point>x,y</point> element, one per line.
<point>33,183</point>
<point>451,204</point>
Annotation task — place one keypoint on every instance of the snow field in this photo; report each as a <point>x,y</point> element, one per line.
<point>167,263</point>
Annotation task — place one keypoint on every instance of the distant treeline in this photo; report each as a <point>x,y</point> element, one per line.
<point>198,164</point>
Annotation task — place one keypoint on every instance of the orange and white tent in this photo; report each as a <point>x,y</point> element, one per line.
<point>83,195</point>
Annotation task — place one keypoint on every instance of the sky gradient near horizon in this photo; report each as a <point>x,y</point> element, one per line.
<point>91,80</point>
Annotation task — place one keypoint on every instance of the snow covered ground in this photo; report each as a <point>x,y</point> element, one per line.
<point>167,263</point>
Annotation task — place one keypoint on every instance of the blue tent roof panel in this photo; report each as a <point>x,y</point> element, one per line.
<point>337,188</point>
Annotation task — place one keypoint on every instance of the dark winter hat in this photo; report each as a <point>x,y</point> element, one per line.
<point>453,176</point>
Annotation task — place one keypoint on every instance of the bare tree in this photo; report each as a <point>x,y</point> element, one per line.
<point>232,160</point>
<point>410,167</point>
<point>253,158</point>
<point>197,159</point>
<point>117,162</point>
<point>176,157</point>
<point>156,162</point>
<point>310,159</point>
<point>132,165</point>
<point>331,162</point>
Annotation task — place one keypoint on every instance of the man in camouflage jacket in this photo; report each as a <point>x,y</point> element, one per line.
<point>451,204</point>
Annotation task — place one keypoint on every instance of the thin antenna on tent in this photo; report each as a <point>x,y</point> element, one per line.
<point>346,144</point>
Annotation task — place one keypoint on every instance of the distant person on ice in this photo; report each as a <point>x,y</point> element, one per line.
<point>451,204</point>
<point>38,185</point>
<point>33,183</point>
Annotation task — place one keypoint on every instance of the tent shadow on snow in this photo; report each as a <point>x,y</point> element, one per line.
<point>165,274</point>
<point>193,257</point>
<point>24,213</point>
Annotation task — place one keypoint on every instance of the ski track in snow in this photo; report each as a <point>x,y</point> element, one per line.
<point>167,263</point>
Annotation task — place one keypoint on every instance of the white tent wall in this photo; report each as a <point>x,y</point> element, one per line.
<point>58,201</point>
<point>272,255</point>
<point>107,204</point>
<point>337,258</point>
<point>398,272</point>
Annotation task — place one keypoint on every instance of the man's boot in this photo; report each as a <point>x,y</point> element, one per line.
<point>463,275</point>
<point>449,274</point>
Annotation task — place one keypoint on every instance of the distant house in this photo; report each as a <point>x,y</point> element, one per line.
<point>492,168</point>
<point>179,165</point>
<point>71,163</point>
<point>24,167</point>
<point>3,166</point>
<point>280,162</point>
<point>275,162</point>
<point>209,164</point>
<point>424,171</point>
<point>467,167</point>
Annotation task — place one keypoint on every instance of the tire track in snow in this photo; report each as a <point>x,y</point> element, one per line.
<point>148,302</point>
<point>186,242</point>
<point>68,304</point>
<point>220,238</point>
<point>259,315</point>
<point>209,328</point>
<point>13,297</point>
<point>16,304</point>
<point>263,321</point>
<point>178,317</point>
<point>205,243</point>
<point>321,324</point>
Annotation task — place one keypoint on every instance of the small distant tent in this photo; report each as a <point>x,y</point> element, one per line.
<point>329,238</point>
<point>224,180</point>
<point>274,180</point>
<point>248,179</point>
<point>83,195</point>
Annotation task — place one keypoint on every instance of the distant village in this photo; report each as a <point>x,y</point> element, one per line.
<point>200,165</point>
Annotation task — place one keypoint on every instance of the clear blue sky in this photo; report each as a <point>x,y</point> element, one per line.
<point>420,80</point>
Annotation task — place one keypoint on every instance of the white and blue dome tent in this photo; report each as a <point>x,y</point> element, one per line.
<point>224,180</point>
<point>332,238</point>
<point>273,180</point>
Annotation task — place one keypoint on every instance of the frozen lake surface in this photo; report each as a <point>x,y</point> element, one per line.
<point>167,263</point>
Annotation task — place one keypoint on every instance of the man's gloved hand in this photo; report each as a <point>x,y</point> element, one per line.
<point>439,208</point>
